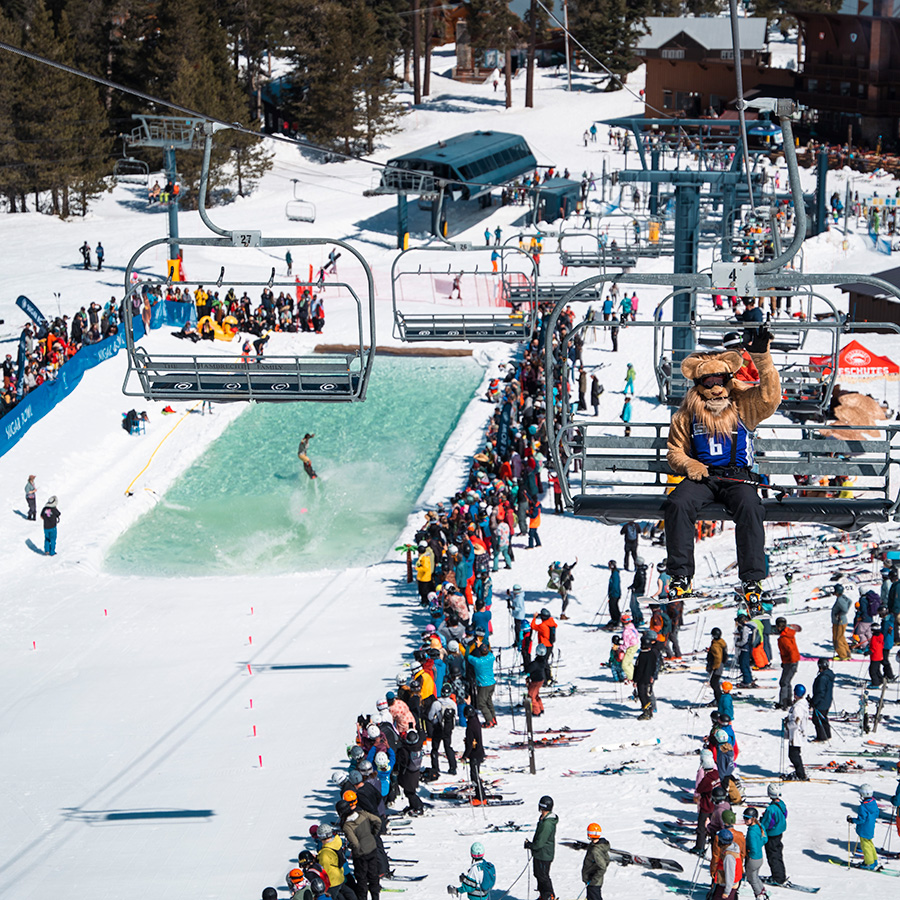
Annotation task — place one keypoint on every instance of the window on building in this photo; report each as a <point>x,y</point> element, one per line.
<point>667,100</point>
<point>845,88</point>
<point>812,85</point>
<point>668,53</point>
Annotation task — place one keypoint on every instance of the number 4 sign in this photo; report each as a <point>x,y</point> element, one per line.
<point>737,277</point>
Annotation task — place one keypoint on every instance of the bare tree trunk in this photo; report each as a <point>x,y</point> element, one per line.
<point>417,52</point>
<point>429,27</point>
<point>406,72</point>
<point>508,77</point>
<point>532,42</point>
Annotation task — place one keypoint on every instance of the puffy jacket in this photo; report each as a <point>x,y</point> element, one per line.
<point>645,667</point>
<point>866,818</point>
<point>361,829</point>
<point>774,819</point>
<point>545,629</point>
<point>839,610</point>
<point>744,637</point>
<point>726,705</point>
<point>424,568</point>
<point>543,844</point>
<point>756,840</point>
<point>596,862</point>
<point>706,780</point>
<point>403,718</point>
<point>823,690</point>
<point>518,604</point>
<point>876,648</point>
<point>483,669</point>
<point>887,631</point>
<point>614,590</point>
<point>715,656</point>
<point>796,722</point>
<point>787,646</point>
<point>328,860</point>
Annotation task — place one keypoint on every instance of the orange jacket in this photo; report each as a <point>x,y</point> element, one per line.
<point>541,627</point>
<point>787,646</point>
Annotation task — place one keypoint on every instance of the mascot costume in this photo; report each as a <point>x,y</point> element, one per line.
<point>711,443</point>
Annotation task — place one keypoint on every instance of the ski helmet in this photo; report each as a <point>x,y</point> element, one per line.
<point>517,587</point>
<point>724,719</point>
<point>477,850</point>
<point>545,613</point>
<point>612,563</point>
<point>824,662</point>
<point>640,561</point>
<point>720,736</point>
<point>356,753</point>
<point>342,807</point>
<point>372,732</point>
<point>646,641</point>
<point>415,668</point>
<point>774,791</point>
<point>780,623</point>
<point>546,803</point>
<point>865,790</point>
<point>446,689</point>
<point>725,837</point>
<point>402,678</point>
<point>355,778</point>
<point>350,797</point>
<point>306,858</point>
<point>706,759</point>
<point>593,831</point>
<point>728,817</point>
<point>799,690</point>
<point>718,794</point>
<point>412,736</point>
<point>338,779</point>
<point>540,650</point>
<point>317,885</point>
<point>365,768</point>
<point>726,686</point>
<point>716,633</point>
<point>269,893</point>
<point>381,705</point>
<point>732,340</point>
<point>626,618</point>
<point>617,639</point>
<point>661,566</point>
<point>382,761</point>
<point>295,876</point>
<point>453,646</point>
<point>751,812</point>
<point>429,628</point>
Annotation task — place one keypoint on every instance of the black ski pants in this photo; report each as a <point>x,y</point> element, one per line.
<point>823,726</point>
<point>680,511</point>
<point>442,733</point>
<point>365,869</point>
<point>542,877</point>
<point>645,695</point>
<point>775,857</point>
<point>795,755</point>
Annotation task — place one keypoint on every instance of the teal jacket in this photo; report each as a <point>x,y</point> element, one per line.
<point>756,840</point>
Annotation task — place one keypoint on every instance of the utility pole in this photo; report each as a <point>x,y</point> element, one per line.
<point>566,26</point>
<point>417,51</point>
<point>532,42</point>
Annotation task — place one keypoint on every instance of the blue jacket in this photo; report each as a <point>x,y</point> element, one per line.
<point>887,629</point>
<point>483,669</point>
<point>481,619</point>
<point>440,673</point>
<point>615,585</point>
<point>774,819</point>
<point>866,818</point>
<point>756,839</point>
<point>726,705</point>
<point>518,604</point>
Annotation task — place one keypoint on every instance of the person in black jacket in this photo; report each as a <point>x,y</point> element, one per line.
<point>474,752</point>
<point>50,516</point>
<point>409,769</point>
<point>823,688</point>
<point>645,668</point>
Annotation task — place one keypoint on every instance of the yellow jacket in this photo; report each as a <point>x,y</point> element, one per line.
<point>328,860</point>
<point>424,567</point>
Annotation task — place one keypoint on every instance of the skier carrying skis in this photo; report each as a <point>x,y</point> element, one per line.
<point>542,847</point>
<point>480,878</point>
<point>710,441</point>
<point>864,820</point>
<point>301,455</point>
<point>596,862</point>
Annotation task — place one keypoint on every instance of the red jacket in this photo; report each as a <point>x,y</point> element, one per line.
<point>876,648</point>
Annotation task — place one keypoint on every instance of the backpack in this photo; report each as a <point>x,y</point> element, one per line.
<point>488,876</point>
<point>482,562</point>
<point>341,856</point>
<point>631,532</point>
<point>415,761</point>
<point>756,634</point>
<point>874,601</point>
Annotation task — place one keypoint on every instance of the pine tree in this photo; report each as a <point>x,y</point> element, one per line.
<point>493,27</point>
<point>609,29</point>
<point>12,183</point>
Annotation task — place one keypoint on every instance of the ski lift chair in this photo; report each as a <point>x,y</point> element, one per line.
<point>299,210</point>
<point>514,294</point>
<point>576,255</point>
<point>615,478</point>
<point>129,170</point>
<point>334,376</point>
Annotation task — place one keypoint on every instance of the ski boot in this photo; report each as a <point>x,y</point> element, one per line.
<point>752,592</point>
<point>679,587</point>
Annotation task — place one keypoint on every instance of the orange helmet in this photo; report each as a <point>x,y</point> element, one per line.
<point>594,830</point>
<point>295,876</point>
<point>726,686</point>
<point>350,797</point>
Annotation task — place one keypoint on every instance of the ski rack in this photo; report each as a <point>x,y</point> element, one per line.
<point>517,290</point>
<point>326,377</point>
<point>625,478</point>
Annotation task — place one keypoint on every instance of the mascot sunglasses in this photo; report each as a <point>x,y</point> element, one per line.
<point>717,380</point>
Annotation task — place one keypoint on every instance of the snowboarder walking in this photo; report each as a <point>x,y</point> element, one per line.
<point>86,254</point>
<point>596,862</point>
<point>865,819</point>
<point>301,455</point>
<point>542,847</point>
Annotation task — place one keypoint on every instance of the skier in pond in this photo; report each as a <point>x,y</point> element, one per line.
<point>301,455</point>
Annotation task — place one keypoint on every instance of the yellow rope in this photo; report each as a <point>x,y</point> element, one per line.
<point>128,491</point>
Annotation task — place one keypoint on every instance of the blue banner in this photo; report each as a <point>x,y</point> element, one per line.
<point>37,403</point>
<point>31,310</point>
<point>503,430</point>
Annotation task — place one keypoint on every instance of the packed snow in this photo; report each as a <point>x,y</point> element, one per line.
<point>174,737</point>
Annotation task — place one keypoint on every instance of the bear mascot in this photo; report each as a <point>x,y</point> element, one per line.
<point>711,443</point>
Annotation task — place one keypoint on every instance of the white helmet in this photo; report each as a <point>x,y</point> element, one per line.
<point>382,761</point>
<point>865,790</point>
<point>453,646</point>
<point>774,791</point>
<point>706,759</point>
<point>372,732</point>
<point>402,678</point>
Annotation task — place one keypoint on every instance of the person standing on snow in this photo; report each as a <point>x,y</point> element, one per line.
<point>31,498</point>
<point>50,516</point>
<point>480,878</point>
<point>614,594</point>
<point>100,254</point>
<point>86,254</point>
<point>839,623</point>
<point>729,870</point>
<point>638,588</point>
<point>715,663</point>
<point>596,862</point>
<point>645,670</point>
<point>631,533</point>
<point>542,847</point>
<point>823,691</point>
<point>536,673</point>
<point>774,821</point>
<point>796,730</point>
<point>864,820</point>
<point>474,753</point>
<point>755,840</point>
<point>790,658</point>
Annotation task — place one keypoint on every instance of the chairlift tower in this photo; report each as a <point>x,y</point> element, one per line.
<point>168,133</point>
